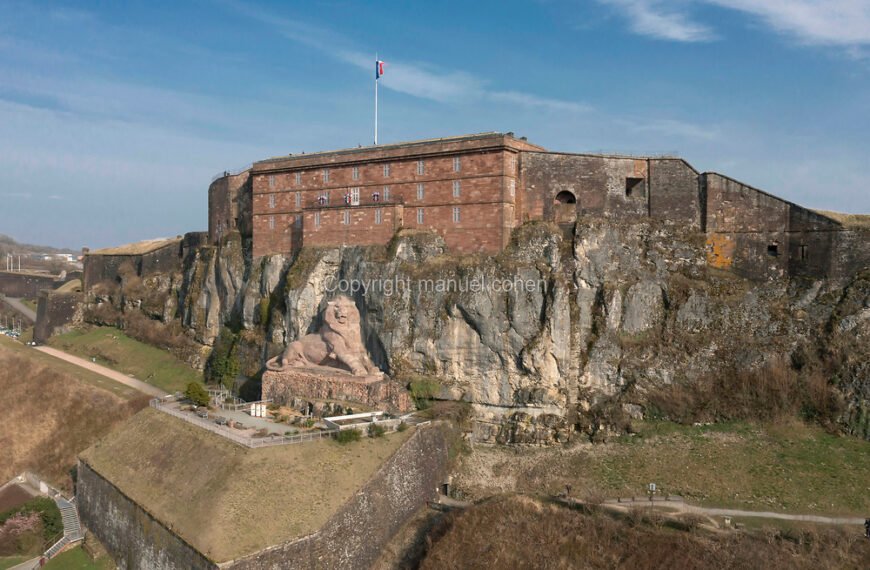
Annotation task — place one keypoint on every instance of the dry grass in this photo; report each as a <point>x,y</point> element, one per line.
<point>783,467</point>
<point>49,416</point>
<point>138,248</point>
<point>227,500</point>
<point>518,532</point>
<point>854,221</point>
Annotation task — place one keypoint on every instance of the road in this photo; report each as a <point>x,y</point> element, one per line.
<point>102,370</point>
<point>21,307</point>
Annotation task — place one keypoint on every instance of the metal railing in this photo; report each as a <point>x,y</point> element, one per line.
<point>251,442</point>
<point>234,172</point>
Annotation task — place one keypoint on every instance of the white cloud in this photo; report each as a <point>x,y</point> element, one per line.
<point>545,103</point>
<point>821,22</point>
<point>824,22</point>
<point>662,19</point>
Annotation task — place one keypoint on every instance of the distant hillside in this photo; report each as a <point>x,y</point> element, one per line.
<point>9,245</point>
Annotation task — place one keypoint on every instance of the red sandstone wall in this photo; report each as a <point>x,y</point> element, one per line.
<point>488,187</point>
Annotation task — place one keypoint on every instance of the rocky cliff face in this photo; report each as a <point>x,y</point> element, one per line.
<point>539,337</point>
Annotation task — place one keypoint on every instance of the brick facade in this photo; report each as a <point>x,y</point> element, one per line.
<point>474,190</point>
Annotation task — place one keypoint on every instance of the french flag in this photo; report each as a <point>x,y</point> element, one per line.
<point>379,69</point>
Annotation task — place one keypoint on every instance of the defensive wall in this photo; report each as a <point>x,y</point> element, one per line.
<point>28,285</point>
<point>353,537</point>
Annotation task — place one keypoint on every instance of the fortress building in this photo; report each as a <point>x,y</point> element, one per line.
<point>474,190</point>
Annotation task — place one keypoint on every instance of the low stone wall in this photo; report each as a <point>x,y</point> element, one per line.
<point>134,538</point>
<point>352,538</point>
<point>56,313</point>
<point>281,387</point>
<point>355,535</point>
<point>27,285</point>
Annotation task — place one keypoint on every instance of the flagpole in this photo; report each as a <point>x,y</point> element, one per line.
<point>376,98</point>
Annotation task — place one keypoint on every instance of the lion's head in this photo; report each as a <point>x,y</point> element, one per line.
<point>342,315</point>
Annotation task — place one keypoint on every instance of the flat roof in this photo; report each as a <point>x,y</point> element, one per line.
<point>266,163</point>
<point>138,248</point>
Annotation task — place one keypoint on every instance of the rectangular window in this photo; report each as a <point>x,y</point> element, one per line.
<point>271,222</point>
<point>378,216</point>
<point>805,254</point>
<point>421,168</point>
<point>271,181</point>
<point>456,188</point>
<point>456,215</point>
<point>386,193</point>
<point>512,186</point>
<point>326,175</point>
<point>298,178</point>
<point>634,187</point>
<point>316,219</point>
<point>271,200</point>
<point>356,172</point>
<point>299,199</point>
<point>457,166</point>
<point>419,215</point>
<point>386,171</point>
<point>297,221</point>
<point>354,196</point>
<point>773,249</point>
<point>419,191</point>
<point>345,218</point>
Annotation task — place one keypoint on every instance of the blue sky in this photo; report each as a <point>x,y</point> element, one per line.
<point>114,116</point>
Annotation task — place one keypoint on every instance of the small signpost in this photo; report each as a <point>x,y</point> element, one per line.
<point>651,490</point>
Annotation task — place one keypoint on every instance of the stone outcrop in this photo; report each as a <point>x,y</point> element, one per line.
<point>616,309</point>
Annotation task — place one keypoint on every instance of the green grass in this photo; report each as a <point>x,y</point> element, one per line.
<point>10,561</point>
<point>29,303</point>
<point>793,468</point>
<point>86,376</point>
<point>77,559</point>
<point>113,349</point>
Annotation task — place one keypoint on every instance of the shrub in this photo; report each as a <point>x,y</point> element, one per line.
<point>308,423</point>
<point>348,436</point>
<point>196,393</point>
<point>423,390</point>
<point>49,515</point>
<point>376,430</point>
<point>402,427</point>
<point>223,364</point>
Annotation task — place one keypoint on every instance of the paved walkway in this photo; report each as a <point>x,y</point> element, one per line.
<point>29,565</point>
<point>102,370</point>
<point>21,307</point>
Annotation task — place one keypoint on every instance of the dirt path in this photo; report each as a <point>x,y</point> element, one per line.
<point>680,506</point>
<point>102,370</point>
<point>21,307</point>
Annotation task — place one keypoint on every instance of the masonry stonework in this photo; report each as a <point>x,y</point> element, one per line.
<point>475,190</point>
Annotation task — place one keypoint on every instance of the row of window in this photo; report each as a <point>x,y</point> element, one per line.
<point>353,197</point>
<point>355,172</point>
<point>379,217</point>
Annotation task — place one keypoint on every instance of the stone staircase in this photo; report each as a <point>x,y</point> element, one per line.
<point>72,527</point>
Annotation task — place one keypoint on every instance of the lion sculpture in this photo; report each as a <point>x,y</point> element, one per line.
<point>338,344</point>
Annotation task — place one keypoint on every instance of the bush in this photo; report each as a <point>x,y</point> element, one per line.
<point>49,515</point>
<point>376,430</point>
<point>423,390</point>
<point>348,436</point>
<point>196,393</point>
<point>223,364</point>
<point>402,427</point>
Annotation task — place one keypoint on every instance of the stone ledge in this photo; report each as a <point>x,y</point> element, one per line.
<point>378,392</point>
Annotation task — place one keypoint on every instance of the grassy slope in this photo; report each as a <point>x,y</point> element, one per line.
<point>112,348</point>
<point>519,532</point>
<point>77,559</point>
<point>51,413</point>
<point>228,500</point>
<point>795,468</point>
<point>10,561</point>
<point>71,370</point>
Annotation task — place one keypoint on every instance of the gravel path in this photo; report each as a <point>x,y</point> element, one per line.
<point>102,370</point>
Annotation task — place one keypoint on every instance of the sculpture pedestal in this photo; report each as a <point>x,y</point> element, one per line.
<point>374,391</point>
